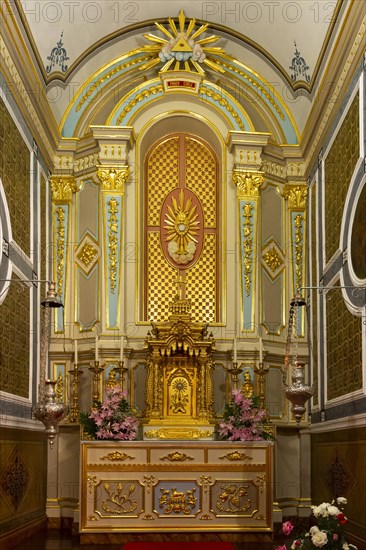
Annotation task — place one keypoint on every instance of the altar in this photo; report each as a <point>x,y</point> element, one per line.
<point>147,486</point>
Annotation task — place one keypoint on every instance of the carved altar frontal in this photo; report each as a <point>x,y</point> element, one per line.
<point>176,486</point>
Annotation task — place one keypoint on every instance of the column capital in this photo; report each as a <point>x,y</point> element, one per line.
<point>62,188</point>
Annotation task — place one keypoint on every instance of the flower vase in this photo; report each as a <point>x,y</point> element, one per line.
<point>50,412</point>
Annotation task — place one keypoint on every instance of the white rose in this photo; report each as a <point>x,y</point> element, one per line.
<point>333,511</point>
<point>319,539</point>
<point>316,511</point>
<point>345,546</point>
<point>314,529</point>
<point>341,500</point>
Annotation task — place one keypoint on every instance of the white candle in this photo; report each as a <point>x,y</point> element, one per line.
<point>260,350</point>
<point>96,349</point>
<point>76,352</point>
<point>121,349</point>
<point>234,349</point>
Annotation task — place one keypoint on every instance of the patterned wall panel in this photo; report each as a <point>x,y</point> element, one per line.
<point>23,461</point>
<point>201,177</point>
<point>201,283</point>
<point>14,338</point>
<point>338,464</point>
<point>314,282</point>
<point>339,167</point>
<point>181,186</point>
<point>162,175</point>
<point>160,282</point>
<point>344,348</point>
<point>15,167</point>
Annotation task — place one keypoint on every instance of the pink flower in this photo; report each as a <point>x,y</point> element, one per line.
<point>335,536</point>
<point>283,547</point>
<point>287,527</point>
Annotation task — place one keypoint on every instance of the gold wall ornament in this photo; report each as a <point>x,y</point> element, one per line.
<point>92,481</point>
<point>60,387</point>
<point>248,183</point>
<point>180,49</point>
<point>299,245</point>
<point>137,98</point>
<point>87,254</point>
<point>117,455</point>
<point>234,498</point>
<point>62,188</point>
<point>296,195</point>
<point>60,249</point>
<point>175,501</point>
<point>176,456</point>
<point>236,455</point>
<point>272,259</point>
<point>181,226</point>
<point>119,499</point>
<point>149,481</point>
<point>113,179</point>
<point>260,481</point>
<point>113,240</point>
<point>179,433</point>
<point>247,226</point>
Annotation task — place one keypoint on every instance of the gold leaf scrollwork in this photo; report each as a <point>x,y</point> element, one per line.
<point>206,517</point>
<point>247,245</point>
<point>87,253</point>
<point>177,501</point>
<point>296,196</point>
<point>92,482</point>
<point>149,482</point>
<point>112,179</point>
<point>92,517</point>
<point>119,499</point>
<point>235,455</point>
<point>113,242</point>
<point>272,259</point>
<point>60,248</point>
<point>260,482</point>
<point>176,457</point>
<point>218,98</point>
<point>206,482</point>
<point>233,499</point>
<point>62,188</point>
<point>148,517</point>
<point>117,456</point>
<point>159,88</point>
<point>248,183</point>
<point>60,387</point>
<point>298,249</point>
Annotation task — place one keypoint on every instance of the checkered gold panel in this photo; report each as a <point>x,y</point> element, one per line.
<point>161,279</point>
<point>185,162</point>
<point>162,176</point>
<point>201,177</point>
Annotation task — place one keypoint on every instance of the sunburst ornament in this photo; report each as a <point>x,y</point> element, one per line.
<point>182,50</point>
<point>181,225</point>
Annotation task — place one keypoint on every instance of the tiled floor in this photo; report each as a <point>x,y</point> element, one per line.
<point>58,540</point>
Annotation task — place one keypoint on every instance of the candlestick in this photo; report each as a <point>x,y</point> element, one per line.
<point>260,350</point>
<point>235,349</point>
<point>96,349</point>
<point>121,349</point>
<point>76,352</point>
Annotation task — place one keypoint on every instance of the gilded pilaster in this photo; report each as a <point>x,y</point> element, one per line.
<point>63,187</point>
<point>296,197</point>
<point>248,178</point>
<point>112,174</point>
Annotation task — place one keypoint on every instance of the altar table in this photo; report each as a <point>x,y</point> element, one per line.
<point>149,486</point>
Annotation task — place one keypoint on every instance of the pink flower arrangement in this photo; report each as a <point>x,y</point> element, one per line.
<point>243,420</point>
<point>111,419</point>
<point>327,534</point>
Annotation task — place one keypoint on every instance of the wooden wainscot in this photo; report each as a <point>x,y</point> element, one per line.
<point>176,486</point>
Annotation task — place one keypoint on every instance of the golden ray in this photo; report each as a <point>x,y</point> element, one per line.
<point>172,26</point>
<point>154,38</point>
<point>167,65</point>
<point>197,66</point>
<point>150,64</point>
<point>207,40</point>
<point>182,20</point>
<point>199,31</point>
<point>164,30</point>
<point>190,27</point>
<point>214,65</point>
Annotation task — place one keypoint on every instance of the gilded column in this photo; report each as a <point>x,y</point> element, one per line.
<point>296,196</point>
<point>248,177</point>
<point>63,188</point>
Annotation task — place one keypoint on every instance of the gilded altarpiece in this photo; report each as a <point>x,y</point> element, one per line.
<point>181,227</point>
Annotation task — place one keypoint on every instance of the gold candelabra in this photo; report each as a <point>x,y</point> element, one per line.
<point>121,370</point>
<point>234,373</point>
<point>75,411</point>
<point>96,369</point>
<point>261,370</point>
